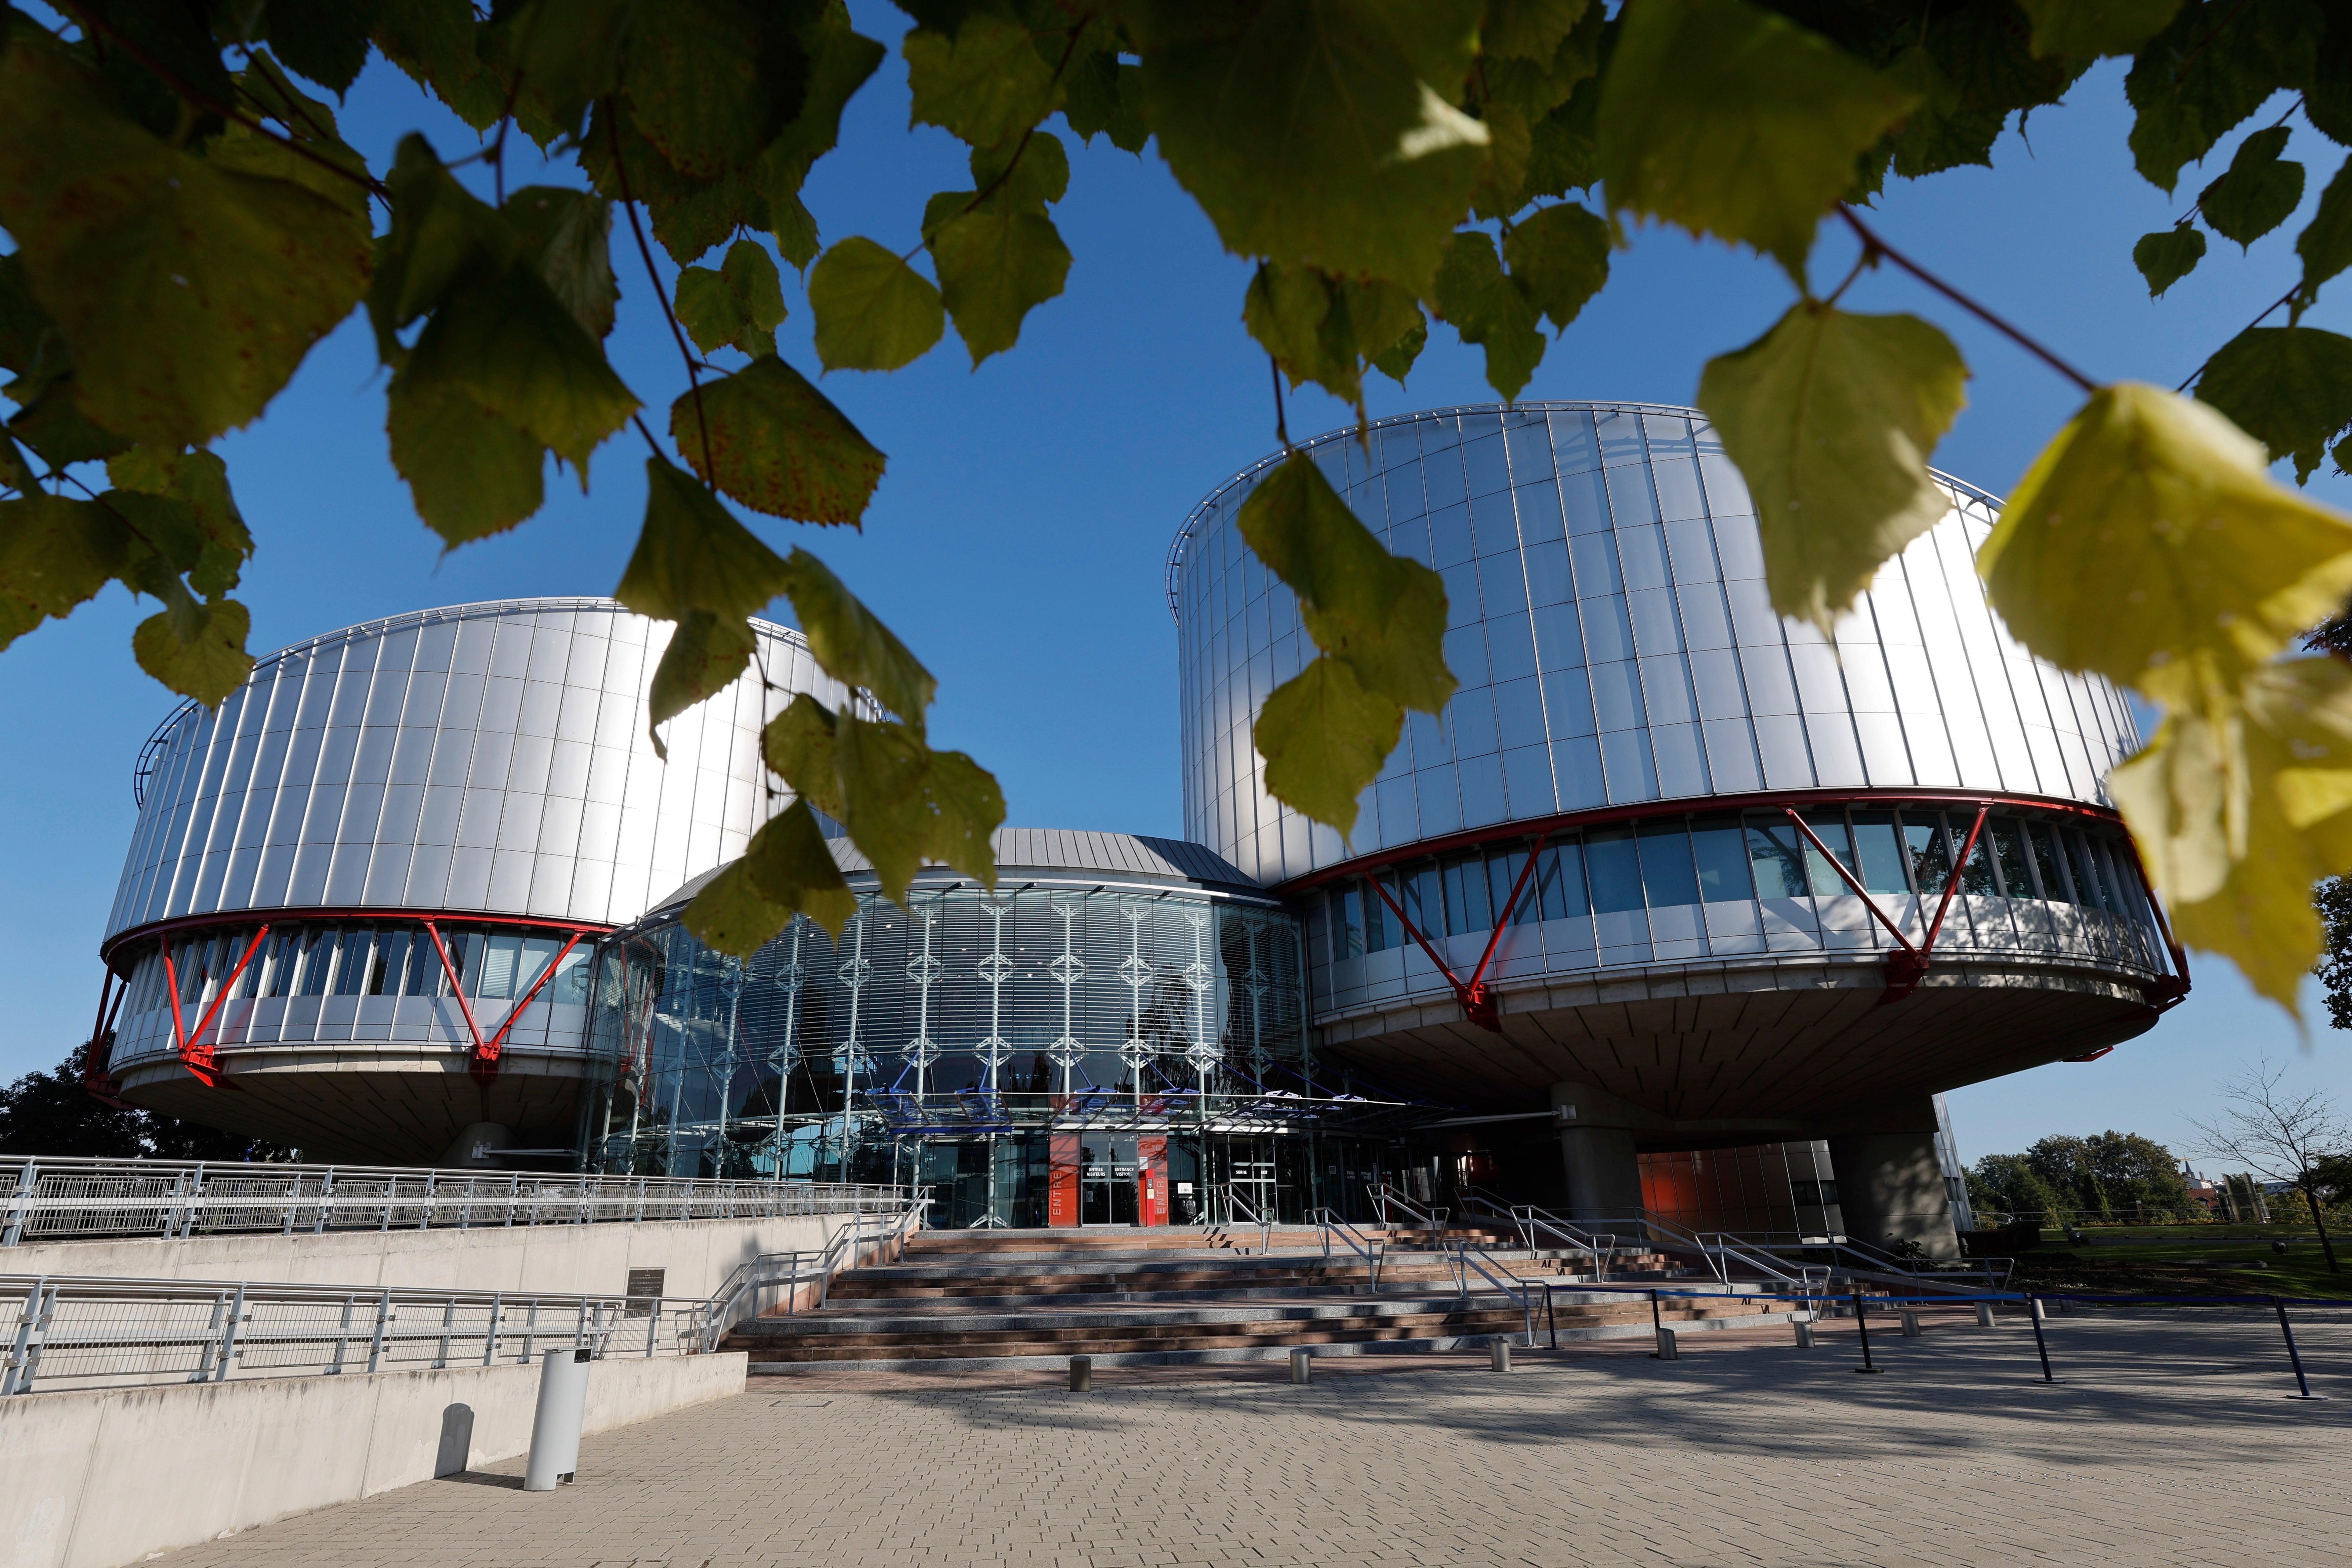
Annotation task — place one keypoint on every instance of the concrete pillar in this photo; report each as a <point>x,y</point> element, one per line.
<point>1596,1146</point>
<point>1890,1186</point>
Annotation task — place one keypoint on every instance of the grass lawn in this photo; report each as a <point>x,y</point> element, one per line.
<point>2215,1262</point>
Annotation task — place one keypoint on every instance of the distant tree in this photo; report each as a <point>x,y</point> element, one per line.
<point>2008,1184</point>
<point>2332,898</point>
<point>2111,1174</point>
<point>51,1113</point>
<point>2139,1174</point>
<point>2281,1136</point>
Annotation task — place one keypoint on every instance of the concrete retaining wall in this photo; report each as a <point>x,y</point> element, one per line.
<point>695,1256</point>
<point>102,1479</point>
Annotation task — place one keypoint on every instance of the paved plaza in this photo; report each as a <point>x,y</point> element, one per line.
<point>2170,1444</point>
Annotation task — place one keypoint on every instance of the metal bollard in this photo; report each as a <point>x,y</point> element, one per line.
<point>2041,1314</point>
<point>1082,1374</point>
<point>1804,1335</point>
<point>1302,1365</point>
<point>1984,1314</point>
<point>1498,1353</point>
<point>1910,1325</point>
<point>1668,1350</point>
<point>555,1425</point>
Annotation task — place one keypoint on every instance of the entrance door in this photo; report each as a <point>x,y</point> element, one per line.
<point>1107,1181</point>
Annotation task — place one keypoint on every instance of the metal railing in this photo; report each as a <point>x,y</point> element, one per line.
<point>1238,1210</point>
<point>1467,1258</point>
<point>78,1331</point>
<point>46,1198</point>
<point>1388,1203</point>
<point>739,1297</point>
<point>1368,1247</point>
<point>1600,1245</point>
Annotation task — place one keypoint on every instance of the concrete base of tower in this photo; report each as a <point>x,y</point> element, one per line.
<point>1890,1186</point>
<point>387,1106</point>
<point>1596,1150</point>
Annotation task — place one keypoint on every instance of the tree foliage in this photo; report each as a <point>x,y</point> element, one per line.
<point>2111,1175</point>
<point>189,222</point>
<point>51,1113</point>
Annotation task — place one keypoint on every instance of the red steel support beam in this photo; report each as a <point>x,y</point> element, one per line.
<point>200,1059</point>
<point>455,990</point>
<point>95,1079</point>
<point>1477,1002</point>
<point>1850,881</point>
<point>485,1065</point>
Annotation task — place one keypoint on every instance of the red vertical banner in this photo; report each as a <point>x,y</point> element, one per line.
<point>1151,1180</point>
<point>1062,1187</point>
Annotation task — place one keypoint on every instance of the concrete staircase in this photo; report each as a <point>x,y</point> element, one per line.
<point>1187,1294</point>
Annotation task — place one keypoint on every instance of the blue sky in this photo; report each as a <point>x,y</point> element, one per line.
<point>1018,537</point>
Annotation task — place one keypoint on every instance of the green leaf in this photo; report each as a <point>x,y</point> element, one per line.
<point>177,46</point>
<point>689,216</point>
<point>692,555</point>
<point>470,473</point>
<point>789,868</point>
<point>731,915</point>
<point>741,304</point>
<point>2167,256</point>
<point>2218,62</point>
<point>1944,131</point>
<point>2150,536</point>
<point>706,653</point>
<point>566,235</point>
<point>1728,121</point>
<point>216,544</point>
<point>55,555</point>
<point>985,83</point>
<point>710,82</point>
<point>853,646</point>
<point>1039,174</point>
<point>1106,98</point>
<point>1563,152</point>
<point>1324,738</point>
<point>793,228</point>
<point>1320,131</point>
<point>509,342</point>
<point>2325,243</point>
<point>326,40</point>
<point>1387,323</point>
<point>306,119</point>
<point>1382,614</point>
<point>995,267</point>
<point>1560,255</point>
<point>433,41</point>
<point>15,474</point>
<point>1301,317</point>
<point>873,311</point>
<point>567,53</point>
<point>965,806</point>
<point>1528,29</point>
<point>2288,387</point>
<point>1831,418</point>
<point>1501,188</point>
<point>903,803</point>
<point>779,444</point>
<point>189,294</point>
<point>1396,362</point>
<point>840,60</point>
<point>438,230</point>
<point>2090,29</point>
<point>1490,309</point>
<point>196,648</point>
<point>2258,193</point>
<point>54,426</point>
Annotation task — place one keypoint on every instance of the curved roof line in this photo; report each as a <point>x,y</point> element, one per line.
<point>478,609</point>
<point>1184,532</point>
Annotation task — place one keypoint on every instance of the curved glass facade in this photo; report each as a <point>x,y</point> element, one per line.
<point>1614,644</point>
<point>1138,999</point>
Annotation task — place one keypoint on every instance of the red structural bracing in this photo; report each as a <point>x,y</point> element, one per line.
<point>1908,965</point>
<point>484,1067</point>
<point>1477,1002</point>
<point>199,1058</point>
<point>94,1077</point>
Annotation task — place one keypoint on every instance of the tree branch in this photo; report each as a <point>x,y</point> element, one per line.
<point>693,375</point>
<point>1011,164</point>
<point>1873,246</point>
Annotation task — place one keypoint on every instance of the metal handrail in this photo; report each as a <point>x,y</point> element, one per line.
<point>1385,1197</point>
<point>1876,1260</point>
<point>1600,1245</point>
<point>1250,1214</point>
<point>44,1198</point>
<point>113,1332</point>
<point>844,1249</point>
<point>1480,1202</point>
<point>1368,1247</point>
<point>1509,1283</point>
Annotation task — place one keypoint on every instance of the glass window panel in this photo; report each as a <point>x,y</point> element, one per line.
<point>2086,873</point>
<point>1883,859</point>
<point>1547,578</point>
<point>1976,872</point>
<point>1573,447</point>
<point>425,975</point>
<point>1503,875</point>
<point>1381,930</point>
<point>1467,908</point>
<point>1423,900</point>
<point>1348,922</point>
<point>1584,500</point>
<point>1559,637</point>
<point>351,968</point>
<point>1615,869</point>
<point>390,966</point>
<point>1721,852</point>
<point>2046,861</point>
<point>498,976</point>
<point>1441,471</point>
<point>1667,873</point>
<point>538,952</point>
<point>1560,882</point>
<point>1829,828</point>
<point>1931,855</point>
<point>318,960</point>
<point>1774,845</point>
<point>2008,836</point>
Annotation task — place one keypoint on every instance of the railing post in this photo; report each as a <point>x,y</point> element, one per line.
<point>653,1325</point>
<point>490,1330</point>
<point>382,1327</point>
<point>342,1335</point>
<point>514,1190</point>
<point>326,1202</point>
<point>25,1348</point>
<point>229,1336</point>
<point>530,1333</point>
<point>425,1209</point>
<point>203,1373</point>
<point>293,1202</point>
<point>20,1204</point>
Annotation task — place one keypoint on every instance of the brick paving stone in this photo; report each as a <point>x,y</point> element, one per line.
<point>2171,1445</point>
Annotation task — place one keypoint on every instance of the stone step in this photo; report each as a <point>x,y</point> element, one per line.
<point>833,1323</point>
